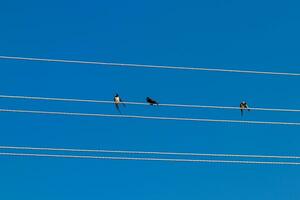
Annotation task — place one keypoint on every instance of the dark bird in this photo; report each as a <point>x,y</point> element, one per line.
<point>151,101</point>
<point>244,106</point>
<point>118,101</point>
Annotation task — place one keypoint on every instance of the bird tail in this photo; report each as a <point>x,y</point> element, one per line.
<point>118,108</point>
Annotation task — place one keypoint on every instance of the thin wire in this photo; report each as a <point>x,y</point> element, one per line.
<point>140,103</point>
<point>149,66</point>
<point>146,152</point>
<point>149,159</point>
<point>150,117</point>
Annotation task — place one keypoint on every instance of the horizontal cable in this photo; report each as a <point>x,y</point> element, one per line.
<point>150,117</point>
<point>149,66</point>
<point>140,103</point>
<point>146,152</point>
<point>149,159</point>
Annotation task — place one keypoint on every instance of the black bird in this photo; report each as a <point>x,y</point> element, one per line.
<point>151,101</point>
<point>118,101</point>
<point>244,106</point>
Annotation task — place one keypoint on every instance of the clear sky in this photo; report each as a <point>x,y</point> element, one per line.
<point>253,35</point>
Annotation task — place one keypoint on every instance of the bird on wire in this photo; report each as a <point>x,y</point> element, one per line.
<point>151,102</point>
<point>244,106</point>
<point>118,101</point>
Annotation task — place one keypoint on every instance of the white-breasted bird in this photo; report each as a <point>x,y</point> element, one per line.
<point>244,106</point>
<point>118,101</point>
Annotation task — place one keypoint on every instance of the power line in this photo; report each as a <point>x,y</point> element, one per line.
<point>149,159</point>
<point>146,152</point>
<point>60,99</point>
<point>140,103</point>
<point>150,117</point>
<point>149,66</point>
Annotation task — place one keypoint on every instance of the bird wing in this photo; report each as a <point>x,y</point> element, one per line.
<point>121,101</point>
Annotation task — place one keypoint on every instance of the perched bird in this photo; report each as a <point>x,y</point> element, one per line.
<point>151,101</point>
<point>118,101</point>
<point>244,106</point>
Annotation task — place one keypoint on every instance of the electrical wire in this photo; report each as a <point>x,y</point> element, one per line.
<point>146,152</point>
<point>148,66</point>
<point>140,103</point>
<point>150,117</point>
<point>149,159</point>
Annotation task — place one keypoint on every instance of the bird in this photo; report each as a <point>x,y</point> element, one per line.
<point>151,101</point>
<point>118,101</point>
<point>244,106</point>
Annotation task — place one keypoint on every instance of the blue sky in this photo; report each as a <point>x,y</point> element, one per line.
<point>254,35</point>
